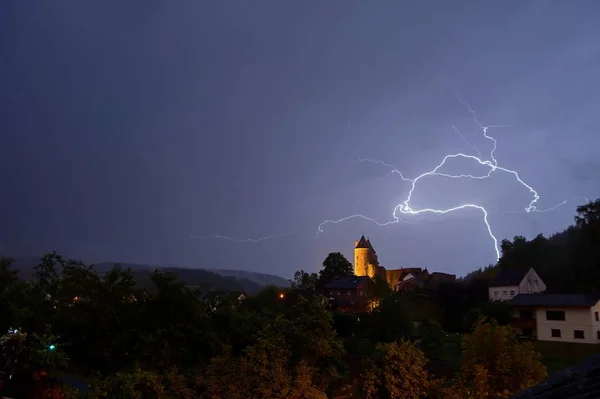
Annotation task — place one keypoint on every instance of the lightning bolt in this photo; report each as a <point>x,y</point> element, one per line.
<point>241,241</point>
<point>552,207</point>
<point>405,208</point>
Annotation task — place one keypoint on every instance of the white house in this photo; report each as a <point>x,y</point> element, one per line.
<point>558,317</point>
<point>509,283</point>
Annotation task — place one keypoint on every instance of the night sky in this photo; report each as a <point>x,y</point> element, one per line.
<point>132,131</point>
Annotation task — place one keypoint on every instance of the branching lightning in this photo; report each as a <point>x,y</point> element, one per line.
<point>241,241</point>
<point>405,208</point>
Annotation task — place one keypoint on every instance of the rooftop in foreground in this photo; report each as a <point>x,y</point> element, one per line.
<point>577,382</point>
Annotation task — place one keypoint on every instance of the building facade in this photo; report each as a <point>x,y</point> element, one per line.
<point>509,283</point>
<point>558,317</point>
<point>349,293</point>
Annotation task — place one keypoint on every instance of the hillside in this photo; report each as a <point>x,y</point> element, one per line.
<point>259,278</point>
<point>206,280</point>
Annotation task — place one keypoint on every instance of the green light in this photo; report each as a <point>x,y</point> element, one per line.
<point>52,347</point>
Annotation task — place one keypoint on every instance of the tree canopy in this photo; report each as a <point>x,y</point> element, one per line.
<point>335,264</point>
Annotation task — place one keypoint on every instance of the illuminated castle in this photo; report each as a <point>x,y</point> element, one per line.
<point>366,263</point>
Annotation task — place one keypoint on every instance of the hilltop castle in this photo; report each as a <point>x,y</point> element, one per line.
<point>366,263</point>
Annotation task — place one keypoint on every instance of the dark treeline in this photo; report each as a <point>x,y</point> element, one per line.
<point>72,322</point>
<point>206,280</point>
<point>568,261</point>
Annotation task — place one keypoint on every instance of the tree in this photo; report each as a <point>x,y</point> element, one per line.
<point>431,339</point>
<point>305,281</point>
<point>378,288</point>
<point>388,322</point>
<point>335,264</point>
<point>451,298</point>
<point>495,364</point>
<point>307,334</point>
<point>8,277</point>
<point>174,325</point>
<point>264,371</point>
<point>397,372</point>
<point>588,215</point>
<point>490,311</point>
<point>98,315</point>
<point>587,255</point>
<point>137,383</point>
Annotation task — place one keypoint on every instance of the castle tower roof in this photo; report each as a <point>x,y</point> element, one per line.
<point>370,245</point>
<point>363,243</point>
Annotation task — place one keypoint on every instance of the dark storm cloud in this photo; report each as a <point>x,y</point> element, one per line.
<point>129,127</point>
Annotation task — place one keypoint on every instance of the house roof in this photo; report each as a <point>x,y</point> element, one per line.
<point>581,381</point>
<point>402,285</point>
<point>550,300</point>
<point>402,272</point>
<point>363,243</point>
<point>509,277</point>
<point>346,282</point>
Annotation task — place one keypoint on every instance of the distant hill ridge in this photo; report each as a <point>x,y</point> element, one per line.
<point>262,279</point>
<point>205,279</point>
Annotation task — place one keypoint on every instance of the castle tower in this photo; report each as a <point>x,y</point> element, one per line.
<point>362,254</point>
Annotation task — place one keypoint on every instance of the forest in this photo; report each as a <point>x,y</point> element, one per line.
<point>74,332</point>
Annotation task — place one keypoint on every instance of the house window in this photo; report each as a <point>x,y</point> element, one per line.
<point>512,292</point>
<point>495,294</point>
<point>555,333</point>
<point>555,315</point>
<point>578,334</point>
<point>596,315</point>
<point>503,292</point>
<point>598,334</point>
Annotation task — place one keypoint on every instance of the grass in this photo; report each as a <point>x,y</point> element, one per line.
<point>556,356</point>
<point>560,355</point>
